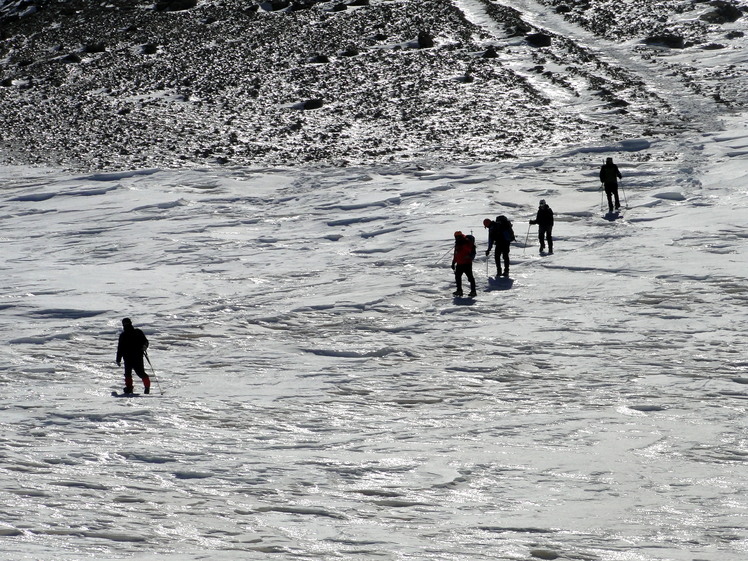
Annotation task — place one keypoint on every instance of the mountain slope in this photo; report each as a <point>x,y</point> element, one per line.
<point>133,84</point>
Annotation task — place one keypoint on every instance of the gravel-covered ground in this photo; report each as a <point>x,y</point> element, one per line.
<point>132,83</point>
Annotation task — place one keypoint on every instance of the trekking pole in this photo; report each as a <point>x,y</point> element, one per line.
<point>625,201</point>
<point>601,198</point>
<point>153,372</point>
<point>527,237</point>
<point>443,256</point>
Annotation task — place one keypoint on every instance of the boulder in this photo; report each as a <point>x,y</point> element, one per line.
<point>425,40</point>
<point>312,104</point>
<point>667,39</point>
<point>723,12</point>
<point>539,40</point>
<point>490,52</point>
<point>175,5</point>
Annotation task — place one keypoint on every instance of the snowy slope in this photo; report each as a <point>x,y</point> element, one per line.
<point>320,394</point>
<point>324,396</point>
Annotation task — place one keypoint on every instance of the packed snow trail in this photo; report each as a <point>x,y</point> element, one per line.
<point>646,80</point>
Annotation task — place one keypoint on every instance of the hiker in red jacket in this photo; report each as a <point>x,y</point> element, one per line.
<point>462,262</point>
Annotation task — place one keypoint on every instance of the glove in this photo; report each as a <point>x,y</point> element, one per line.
<point>532,222</point>
<point>145,348</point>
<point>118,363</point>
<point>487,252</point>
<point>453,266</point>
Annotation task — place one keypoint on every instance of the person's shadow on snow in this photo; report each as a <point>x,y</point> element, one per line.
<point>499,283</point>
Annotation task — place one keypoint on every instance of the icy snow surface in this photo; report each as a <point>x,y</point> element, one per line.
<point>321,395</point>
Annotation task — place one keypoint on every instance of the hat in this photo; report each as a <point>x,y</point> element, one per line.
<point>458,234</point>
<point>542,202</point>
<point>609,160</point>
<point>486,222</point>
<point>126,321</point>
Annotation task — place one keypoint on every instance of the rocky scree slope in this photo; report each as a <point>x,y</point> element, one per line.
<point>126,83</point>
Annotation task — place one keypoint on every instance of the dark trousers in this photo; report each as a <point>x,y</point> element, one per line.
<point>139,368</point>
<point>611,191</point>
<point>467,270</point>
<point>544,235</point>
<point>502,252</point>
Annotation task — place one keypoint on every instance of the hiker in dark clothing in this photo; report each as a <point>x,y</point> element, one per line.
<point>131,347</point>
<point>462,262</point>
<point>500,232</point>
<point>609,176</point>
<point>544,220</point>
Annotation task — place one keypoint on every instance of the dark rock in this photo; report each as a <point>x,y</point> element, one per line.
<point>563,9</point>
<point>175,5</point>
<point>350,51</point>
<point>734,34</point>
<point>319,59</point>
<point>359,3</point>
<point>490,52</point>
<point>724,12</point>
<point>539,40</point>
<point>425,40</point>
<point>312,104</point>
<point>94,48</point>
<point>667,39</point>
<point>149,49</point>
<point>275,5</point>
<point>72,58</point>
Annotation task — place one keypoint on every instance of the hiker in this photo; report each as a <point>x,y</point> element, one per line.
<point>544,220</point>
<point>462,262</point>
<point>501,233</point>
<point>132,346</point>
<point>609,176</point>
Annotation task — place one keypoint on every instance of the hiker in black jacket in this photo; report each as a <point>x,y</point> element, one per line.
<point>609,176</point>
<point>132,346</point>
<point>544,220</point>
<point>501,233</point>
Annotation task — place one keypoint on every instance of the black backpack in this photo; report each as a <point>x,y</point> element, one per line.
<point>505,227</point>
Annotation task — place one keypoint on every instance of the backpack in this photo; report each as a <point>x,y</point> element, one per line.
<point>471,239</point>
<point>505,227</point>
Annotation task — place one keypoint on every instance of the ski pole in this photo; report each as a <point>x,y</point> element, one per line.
<point>527,237</point>
<point>153,372</point>
<point>602,207</point>
<point>625,201</point>
<point>443,256</point>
